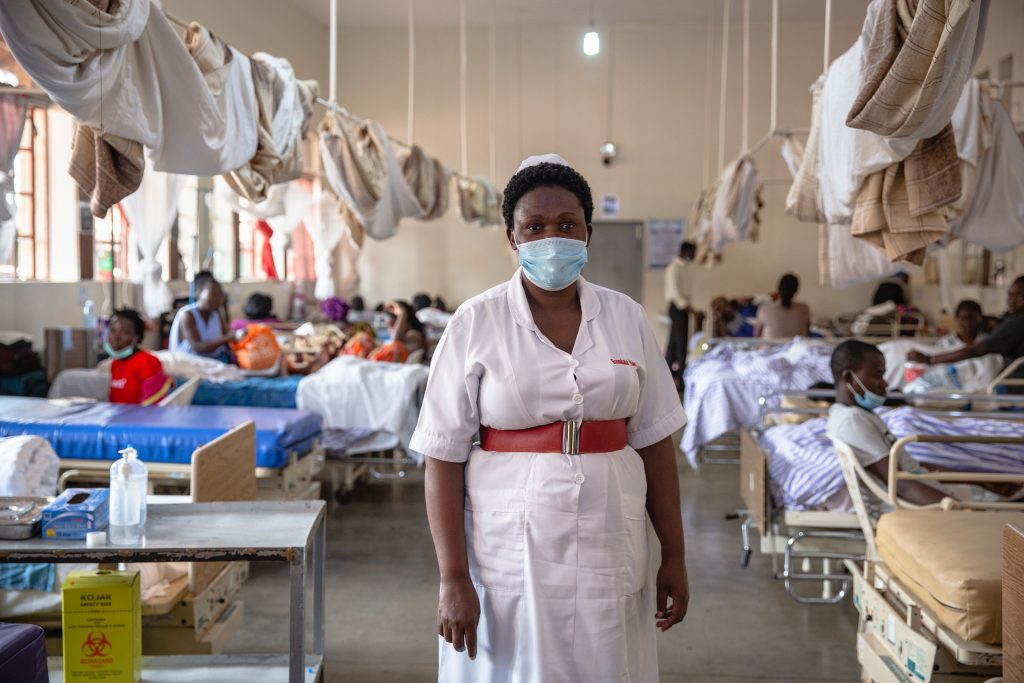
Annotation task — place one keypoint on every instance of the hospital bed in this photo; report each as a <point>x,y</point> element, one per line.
<point>794,492</point>
<point>87,437</point>
<point>928,592</point>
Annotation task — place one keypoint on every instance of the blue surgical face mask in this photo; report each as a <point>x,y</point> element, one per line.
<point>553,263</point>
<point>118,355</point>
<point>870,400</point>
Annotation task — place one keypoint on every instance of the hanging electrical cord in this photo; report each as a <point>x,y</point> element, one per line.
<point>723,87</point>
<point>463,71</point>
<point>708,56</point>
<point>333,83</point>
<point>746,76</point>
<point>492,99</point>
<point>411,107</point>
<point>828,36</point>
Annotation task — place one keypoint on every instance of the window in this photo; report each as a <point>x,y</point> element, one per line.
<point>29,256</point>
<point>111,240</point>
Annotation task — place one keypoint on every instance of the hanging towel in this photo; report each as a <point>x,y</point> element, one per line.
<point>285,106</point>
<point>804,198</point>
<point>996,216</point>
<point>735,214</point>
<point>361,168</point>
<point>479,202</point>
<point>107,167</point>
<point>136,74</point>
<point>428,179</point>
<point>228,74</point>
<point>918,57</point>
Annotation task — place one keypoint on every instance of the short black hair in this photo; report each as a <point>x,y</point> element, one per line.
<point>420,301</point>
<point>201,277</point>
<point>258,306</point>
<point>850,355</point>
<point>134,318</point>
<point>969,305</point>
<point>1019,282</point>
<point>687,247</point>
<point>889,291</point>
<point>546,175</point>
<point>357,303</point>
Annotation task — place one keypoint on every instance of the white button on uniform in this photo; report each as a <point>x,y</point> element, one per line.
<point>579,479</point>
<point>577,399</point>
<point>574,363</point>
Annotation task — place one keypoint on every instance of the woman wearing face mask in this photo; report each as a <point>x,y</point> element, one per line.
<point>540,529</point>
<point>136,376</point>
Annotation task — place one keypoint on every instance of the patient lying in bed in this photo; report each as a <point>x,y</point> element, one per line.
<point>859,371</point>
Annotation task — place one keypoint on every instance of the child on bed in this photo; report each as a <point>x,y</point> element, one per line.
<point>859,372</point>
<point>136,376</point>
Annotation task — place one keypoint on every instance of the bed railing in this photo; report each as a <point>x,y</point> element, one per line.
<point>896,475</point>
<point>1006,378</point>
<point>771,404</point>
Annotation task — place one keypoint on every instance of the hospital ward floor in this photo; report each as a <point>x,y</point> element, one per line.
<point>382,597</point>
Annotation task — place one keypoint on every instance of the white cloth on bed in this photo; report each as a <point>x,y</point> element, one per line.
<point>974,375</point>
<point>805,472</point>
<point>28,467</point>
<point>723,387</point>
<point>187,366</point>
<point>355,392</point>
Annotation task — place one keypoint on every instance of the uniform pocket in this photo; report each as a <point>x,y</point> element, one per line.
<point>636,548</point>
<point>495,544</point>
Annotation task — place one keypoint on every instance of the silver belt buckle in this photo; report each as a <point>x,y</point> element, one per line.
<point>571,437</point>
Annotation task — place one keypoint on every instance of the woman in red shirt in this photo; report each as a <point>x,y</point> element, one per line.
<point>136,375</point>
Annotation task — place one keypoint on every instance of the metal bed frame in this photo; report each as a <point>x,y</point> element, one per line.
<point>804,537</point>
<point>899,638</point>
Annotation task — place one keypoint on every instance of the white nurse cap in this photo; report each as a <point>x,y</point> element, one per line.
<point>537,159</point>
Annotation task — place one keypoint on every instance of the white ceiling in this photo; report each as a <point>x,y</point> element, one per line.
<point>446,12</point>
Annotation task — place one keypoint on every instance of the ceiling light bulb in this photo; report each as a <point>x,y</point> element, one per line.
<point>591,43</point>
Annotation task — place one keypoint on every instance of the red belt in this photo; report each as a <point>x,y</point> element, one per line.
<point>572,438</point>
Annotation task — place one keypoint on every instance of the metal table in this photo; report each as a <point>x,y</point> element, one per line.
<point>263,531</point>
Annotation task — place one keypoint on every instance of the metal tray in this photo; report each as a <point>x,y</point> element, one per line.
<point>20,516</point>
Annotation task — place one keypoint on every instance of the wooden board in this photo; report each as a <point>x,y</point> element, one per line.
<point>753,479</point>
<point>1013,604</point>
<point>223,470</point>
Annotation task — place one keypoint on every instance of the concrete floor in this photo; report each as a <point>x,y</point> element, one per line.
<point>382,593</point>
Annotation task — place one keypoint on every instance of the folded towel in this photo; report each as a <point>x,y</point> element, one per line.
<point>28,467</point>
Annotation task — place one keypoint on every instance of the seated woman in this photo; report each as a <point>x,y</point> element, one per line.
<point>199,328</point>
<point>136,376</point>
<point>257,310</point>
<point>785,317</point>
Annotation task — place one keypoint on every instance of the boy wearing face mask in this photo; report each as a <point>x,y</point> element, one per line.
<point>136,376</point>
<point>859,372</point>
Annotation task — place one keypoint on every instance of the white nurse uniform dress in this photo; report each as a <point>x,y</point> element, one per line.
<point>557,544</point>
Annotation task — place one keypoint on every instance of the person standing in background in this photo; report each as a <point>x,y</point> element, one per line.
<point>677,295</point>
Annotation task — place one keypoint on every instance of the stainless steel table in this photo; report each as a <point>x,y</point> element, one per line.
<point>262,531</point>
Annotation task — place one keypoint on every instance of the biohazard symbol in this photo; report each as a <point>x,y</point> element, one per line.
<point>96,645</point>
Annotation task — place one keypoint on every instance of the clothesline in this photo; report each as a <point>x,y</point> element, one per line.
<point>332,106</point>
<point>393,140</point>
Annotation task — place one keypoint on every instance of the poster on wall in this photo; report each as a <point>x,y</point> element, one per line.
<point>664,235</point>
<point>610,205</point>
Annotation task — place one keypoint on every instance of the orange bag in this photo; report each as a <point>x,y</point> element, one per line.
<point>258,350</point>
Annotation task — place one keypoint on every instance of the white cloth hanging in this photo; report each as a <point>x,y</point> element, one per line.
<point>326,228</point>
<point>13,109</point>
<point>734,216</point>
<point>362,170</point>
<point>996,216</point>
<point>844,260</point>
<point>151,211</point>
<point>152,90</point>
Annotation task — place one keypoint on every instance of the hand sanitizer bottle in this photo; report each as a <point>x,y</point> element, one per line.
<point>129,483</point>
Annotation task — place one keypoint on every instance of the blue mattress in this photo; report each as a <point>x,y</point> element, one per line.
<point>96,431</point>
<point>258,392</point>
